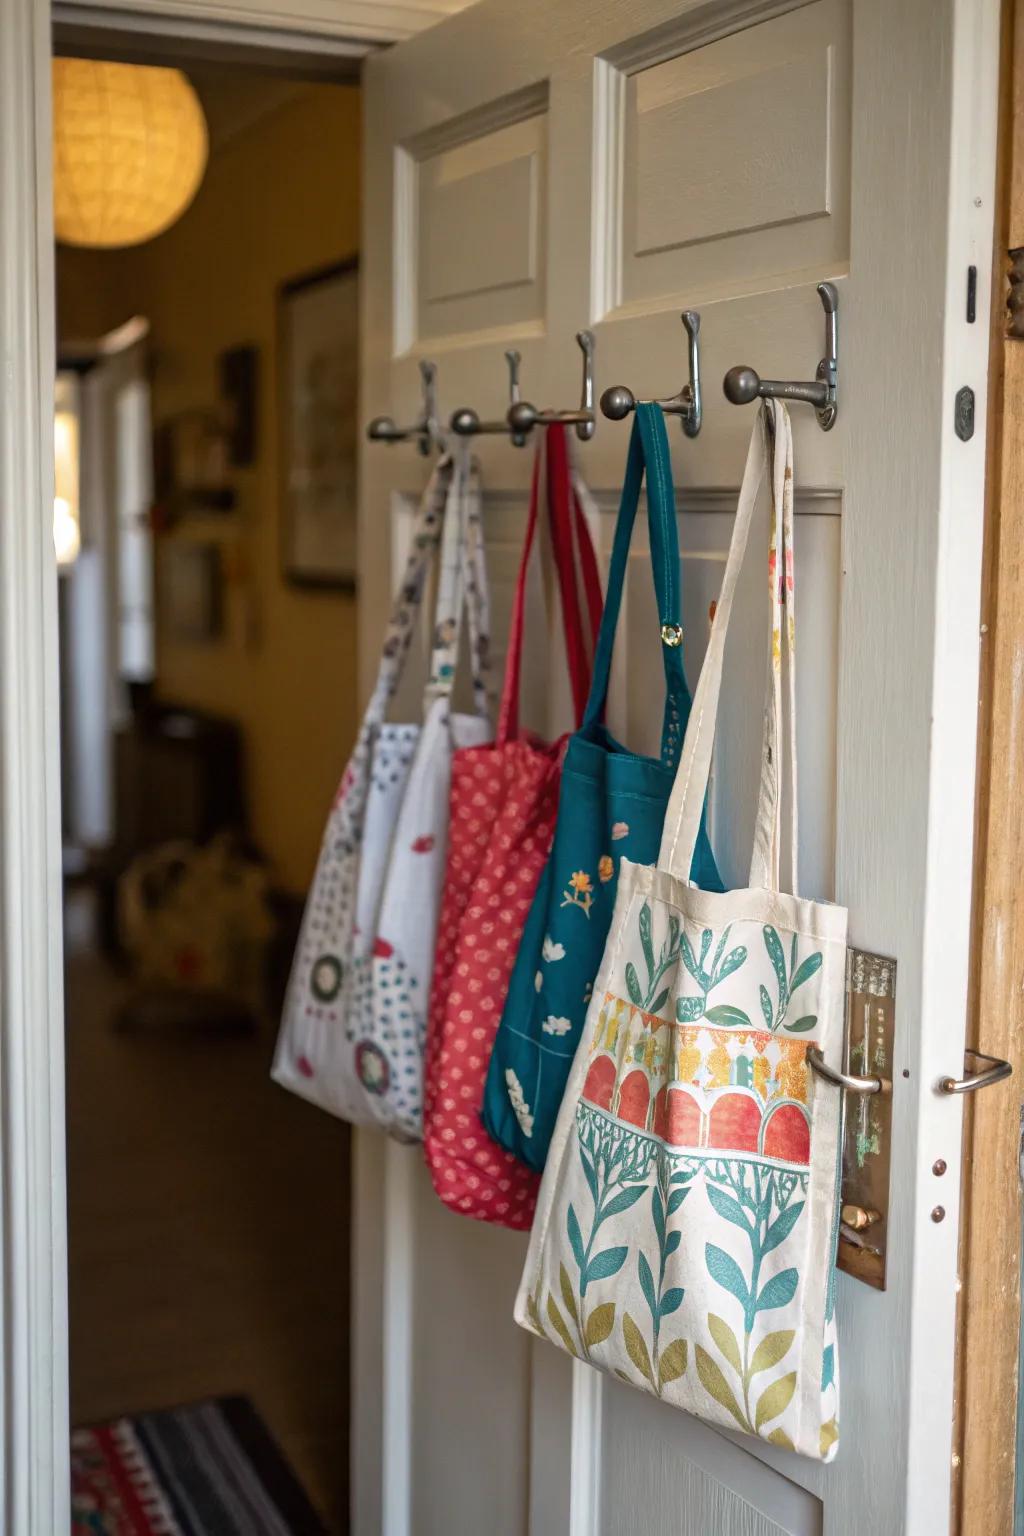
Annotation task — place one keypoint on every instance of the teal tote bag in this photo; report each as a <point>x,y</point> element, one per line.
<point>612,803</point>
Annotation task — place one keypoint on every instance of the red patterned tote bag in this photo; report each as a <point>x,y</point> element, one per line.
<point>504,799</point>
<point>327,1049</point>
<point>686,1227</point>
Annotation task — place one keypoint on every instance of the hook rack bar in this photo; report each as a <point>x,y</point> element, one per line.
<point>744,384</point>
<point>523,417</point>
<point>426,429</point>
<point>467,423</point>
<point>618,401</point>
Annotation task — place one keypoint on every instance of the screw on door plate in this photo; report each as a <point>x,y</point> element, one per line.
<point>963,413</point>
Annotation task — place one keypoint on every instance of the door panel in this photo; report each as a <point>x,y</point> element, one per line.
<point>736,158</point>
<point>698,1481</point>
<point>533,169</point>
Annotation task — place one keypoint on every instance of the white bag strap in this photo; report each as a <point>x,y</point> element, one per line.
<point>462,588</point>
<point>771,448</point>
<point>425,535</point>
<point>478,597</point>
<point>765,865</point>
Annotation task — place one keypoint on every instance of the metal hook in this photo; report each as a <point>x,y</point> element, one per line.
<point>743,384</point>
<point>618,401</point>
<point>467,423</point>
<point>427,428</point>
<point>523,417</point>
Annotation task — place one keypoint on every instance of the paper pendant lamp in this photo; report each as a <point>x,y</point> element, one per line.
<point>129,150</point>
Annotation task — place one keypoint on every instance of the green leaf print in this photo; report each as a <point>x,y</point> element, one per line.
<point>724,1270</point>
<point>636,997</point>
<point>645,937</point>
<point>726,1340</point>
<point>774,1400</point>
<point>788,982</point>
<point>600,1324</point>
<point>778,1291</point>
<point>575,1237</point>
<point>672,1363</point>
<point>560,1327</point>
<point>715,1384</point>
<point>603,1265</point>
<point>727,1016</point>
<point>765,1203</point>
<point>637,1350</point>
<point>690,1009</point>
<point>772,1348</point>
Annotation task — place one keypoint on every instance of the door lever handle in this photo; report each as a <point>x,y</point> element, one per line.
<point>994,1072</point>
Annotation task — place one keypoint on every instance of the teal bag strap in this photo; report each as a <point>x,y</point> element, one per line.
<point>648,453</point>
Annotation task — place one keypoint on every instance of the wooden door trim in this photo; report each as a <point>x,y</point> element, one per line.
<point>991,1228</point>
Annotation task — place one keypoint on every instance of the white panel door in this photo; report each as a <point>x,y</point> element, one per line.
<point>535,168</point>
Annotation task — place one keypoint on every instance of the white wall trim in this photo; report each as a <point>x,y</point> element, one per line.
<point>366,21</point>
<point>585,1469</point>
<point>33,1352</point>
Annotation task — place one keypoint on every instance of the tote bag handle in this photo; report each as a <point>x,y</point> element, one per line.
<point>461,589</point>
<point>771,448</point>
<point>571,543</point>
<point>648,454</point>
<point>426,534</point>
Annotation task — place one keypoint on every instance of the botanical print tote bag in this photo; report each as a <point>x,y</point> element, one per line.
<point>612,806</point>
<point>503,803</point>
<point>318,1051</point>
<point>686,1226</point>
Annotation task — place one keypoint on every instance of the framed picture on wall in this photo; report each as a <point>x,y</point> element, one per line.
<point>318,362</point>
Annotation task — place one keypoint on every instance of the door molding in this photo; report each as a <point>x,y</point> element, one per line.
<point>33,1350</point>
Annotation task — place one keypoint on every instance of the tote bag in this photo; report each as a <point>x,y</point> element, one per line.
<point>612,806</point>
<point>503,804</point>
<point>686,1227</point>
<point>324,1052</point>
<point>393,1000</point>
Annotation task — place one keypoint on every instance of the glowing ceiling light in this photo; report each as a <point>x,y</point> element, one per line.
<point>129,150</point>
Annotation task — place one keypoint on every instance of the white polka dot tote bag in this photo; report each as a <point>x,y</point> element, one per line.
<point>686,1226</point>
<point>336,1046</point>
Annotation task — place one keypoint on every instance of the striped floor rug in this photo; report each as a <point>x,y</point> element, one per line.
<point>210,1469</point>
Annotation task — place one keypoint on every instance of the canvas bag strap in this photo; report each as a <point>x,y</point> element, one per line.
<point>765,866</point>
<point>461,585</point>
<point>682,819</point>
<point>574,557</point>
<point>551,470</point>
<point>648,455</point>
<point>477,590</point>
<point>426,533</point>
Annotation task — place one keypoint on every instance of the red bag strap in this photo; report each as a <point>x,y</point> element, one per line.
<point>568,519</point>
<point>564,510</point>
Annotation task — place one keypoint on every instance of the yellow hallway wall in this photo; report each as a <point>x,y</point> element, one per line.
<point>280,199</point>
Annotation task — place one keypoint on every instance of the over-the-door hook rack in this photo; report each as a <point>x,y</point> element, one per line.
<point>522,416</point>
<point>467,423</point>
<point>618,401</point>
<point>426,429</point>
<point>743,384</point>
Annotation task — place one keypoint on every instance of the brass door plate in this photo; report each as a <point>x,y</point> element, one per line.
<point>867,1139</point>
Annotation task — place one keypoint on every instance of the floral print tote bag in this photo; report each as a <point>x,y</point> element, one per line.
<point>686,1227</point>
<point>612,806</point>
<point>324,1050</point>
<point>391,1005</point>
<point>503,803</point>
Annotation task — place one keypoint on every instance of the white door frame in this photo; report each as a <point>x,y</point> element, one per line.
<point>34,1435</point>
<point>33,1346</point>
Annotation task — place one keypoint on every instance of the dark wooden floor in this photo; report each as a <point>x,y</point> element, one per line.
<point>208,1232</point>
